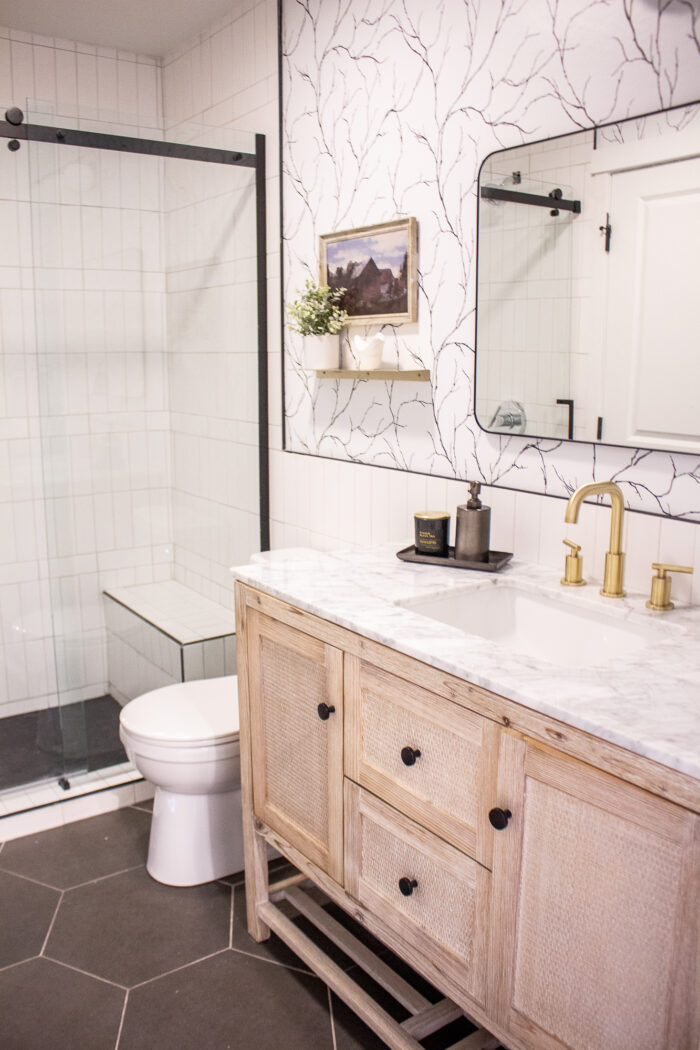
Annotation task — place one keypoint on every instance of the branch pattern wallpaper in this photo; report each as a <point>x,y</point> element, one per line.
<point>389,108</point>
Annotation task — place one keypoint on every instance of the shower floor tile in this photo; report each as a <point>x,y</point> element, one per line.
<point>48,744</point>
<point>102,957</point>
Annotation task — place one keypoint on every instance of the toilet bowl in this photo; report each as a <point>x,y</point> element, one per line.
<point>184,739</point>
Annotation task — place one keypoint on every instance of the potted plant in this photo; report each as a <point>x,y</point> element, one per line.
<point>317,315</point>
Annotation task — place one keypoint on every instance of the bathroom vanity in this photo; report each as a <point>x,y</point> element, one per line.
<point>525,833</point>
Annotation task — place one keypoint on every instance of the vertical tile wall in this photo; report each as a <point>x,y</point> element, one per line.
<point>82,299</point>
<point>223,79</point>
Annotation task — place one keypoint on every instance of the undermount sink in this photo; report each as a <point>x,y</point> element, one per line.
<point>530,623</point>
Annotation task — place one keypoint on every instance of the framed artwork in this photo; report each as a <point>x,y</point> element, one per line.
<point>377,266</point>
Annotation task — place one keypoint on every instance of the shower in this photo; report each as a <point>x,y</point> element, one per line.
<point>133,422</point>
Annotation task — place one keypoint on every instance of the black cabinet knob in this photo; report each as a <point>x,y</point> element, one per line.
<point>499,818</point>
<point>325,711</point>
<point>409,755</point>
<point>407,886</point>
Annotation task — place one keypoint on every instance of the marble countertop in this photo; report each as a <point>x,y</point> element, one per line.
<point>648,703</point>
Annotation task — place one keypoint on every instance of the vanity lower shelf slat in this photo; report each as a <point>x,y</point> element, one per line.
<point>426,1017</point>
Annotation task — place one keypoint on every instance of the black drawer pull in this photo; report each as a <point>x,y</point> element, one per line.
<point>499,818</point>
<point>325,711</point>
<point>409,755</point>
<point>407,886</point>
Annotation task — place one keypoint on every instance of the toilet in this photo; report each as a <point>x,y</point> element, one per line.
<point>183,738</point>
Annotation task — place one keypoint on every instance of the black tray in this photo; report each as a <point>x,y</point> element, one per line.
<point>496,559</point>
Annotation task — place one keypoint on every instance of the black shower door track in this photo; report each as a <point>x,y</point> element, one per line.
<point>157,148</point>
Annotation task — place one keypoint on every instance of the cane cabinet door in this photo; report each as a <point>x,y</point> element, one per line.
<point>595,888</point>
<point>296,722</point>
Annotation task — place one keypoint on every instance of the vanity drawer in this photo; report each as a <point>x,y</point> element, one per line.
<point>434,897</point>
<point>425,755</point>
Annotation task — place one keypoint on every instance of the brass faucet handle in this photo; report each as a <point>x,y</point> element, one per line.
<point>573,566</point>
<point>660,598</point>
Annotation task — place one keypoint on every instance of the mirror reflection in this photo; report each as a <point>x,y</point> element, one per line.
<point>587,284</point>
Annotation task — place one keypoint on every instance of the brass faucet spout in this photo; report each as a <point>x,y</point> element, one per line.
<point>614,559</point>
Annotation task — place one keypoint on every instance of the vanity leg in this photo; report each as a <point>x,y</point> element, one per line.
<point>254,845</point>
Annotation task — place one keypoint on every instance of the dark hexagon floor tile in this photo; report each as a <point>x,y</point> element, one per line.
<point>130,928</point>
<point>87,849</point>
<point>26,911</point>
<point>43,1004</point>
<point>229,1002</point>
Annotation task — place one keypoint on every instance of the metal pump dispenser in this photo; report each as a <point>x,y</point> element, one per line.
<point>473,528</point>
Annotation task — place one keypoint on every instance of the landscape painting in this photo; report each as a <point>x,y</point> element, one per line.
<point>376,265</point>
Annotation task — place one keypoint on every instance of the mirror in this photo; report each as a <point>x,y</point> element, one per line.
<point>588,284</point>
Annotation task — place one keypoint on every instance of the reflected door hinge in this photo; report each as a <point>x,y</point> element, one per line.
<point>607,230</point>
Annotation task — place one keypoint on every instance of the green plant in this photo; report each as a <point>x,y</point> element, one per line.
<point>316,311</point>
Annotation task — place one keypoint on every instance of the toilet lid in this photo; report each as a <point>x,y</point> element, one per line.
<point>188,712</point>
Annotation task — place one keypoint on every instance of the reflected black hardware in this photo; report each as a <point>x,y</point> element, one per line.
<point>568,401</point>
<point>409,755</point>
<point>407,886</point>
<point>499,818</point>
<point>607,230</point>
<point>556,195</point>
<point>14,116</point>
<point>325,711</point>
<point>599,431</point>
<point>517,177</point>
<point>13,145</point>
<point>497,193</point>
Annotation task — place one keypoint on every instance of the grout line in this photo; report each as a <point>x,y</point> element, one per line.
<point>273,962</point>
<point>85,973</point>
<point>21,962</point>
<point>330,1011</point>
<point>141,808</point>
<point>230,923</point>
<point>53,920</point>
<point>121,1022</point>
<point>101,878</point>
<point>28,878</point>
<point>178,968</point>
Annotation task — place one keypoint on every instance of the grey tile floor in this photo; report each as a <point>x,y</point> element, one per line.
<point>96,955</point>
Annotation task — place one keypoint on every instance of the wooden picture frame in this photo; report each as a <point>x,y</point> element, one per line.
<point>382,290</point>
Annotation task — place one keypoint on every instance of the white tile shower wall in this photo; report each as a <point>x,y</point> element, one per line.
<point>223,79</point>
<point>83,370</point>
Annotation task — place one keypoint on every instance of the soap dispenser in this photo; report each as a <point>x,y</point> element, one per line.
<point>472,528</point>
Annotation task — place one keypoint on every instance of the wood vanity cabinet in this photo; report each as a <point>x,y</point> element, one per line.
<point>568,921</point>
<point>295,693</point>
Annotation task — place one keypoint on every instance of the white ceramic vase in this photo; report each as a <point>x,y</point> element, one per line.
<point>367,353</point>
<point>321,351</point>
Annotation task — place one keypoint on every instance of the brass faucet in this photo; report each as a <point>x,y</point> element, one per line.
<point>614,559</point>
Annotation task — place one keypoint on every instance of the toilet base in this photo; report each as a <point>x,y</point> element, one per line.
<point>195,838</point>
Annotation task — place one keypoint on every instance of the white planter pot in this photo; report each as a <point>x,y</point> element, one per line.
<point>321,351</point>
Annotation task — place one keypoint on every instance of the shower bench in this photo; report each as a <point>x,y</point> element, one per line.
<point>162,633</point>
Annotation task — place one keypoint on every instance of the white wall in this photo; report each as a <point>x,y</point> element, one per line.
<point>83,366</point>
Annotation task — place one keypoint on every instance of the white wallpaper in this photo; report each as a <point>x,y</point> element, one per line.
<point>389,111</point>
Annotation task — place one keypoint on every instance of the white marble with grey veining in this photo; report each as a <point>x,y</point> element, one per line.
<point>649,704</point>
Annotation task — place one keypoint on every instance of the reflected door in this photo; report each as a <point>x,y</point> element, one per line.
<point>652,371</point>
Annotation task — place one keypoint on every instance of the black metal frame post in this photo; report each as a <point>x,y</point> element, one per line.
<point>263,441</point>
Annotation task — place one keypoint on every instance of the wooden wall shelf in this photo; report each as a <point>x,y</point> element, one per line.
<point>417,375</point>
